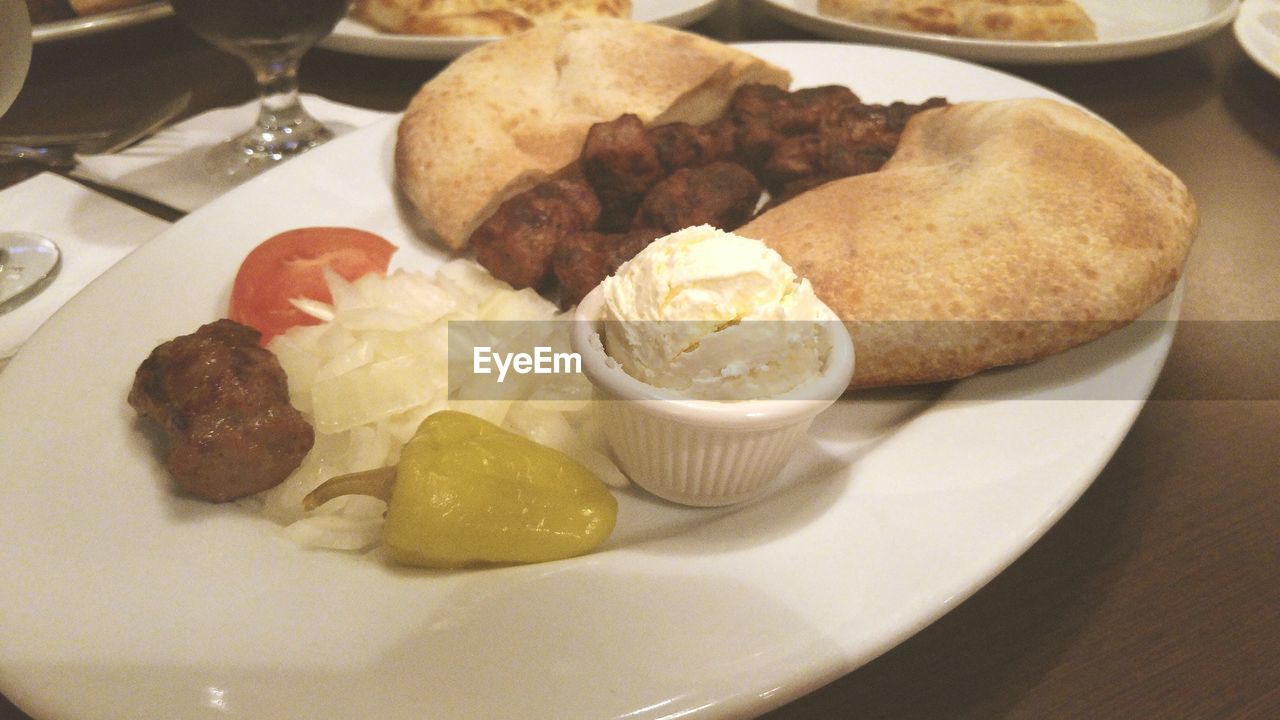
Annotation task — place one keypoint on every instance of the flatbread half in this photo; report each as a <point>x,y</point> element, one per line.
<point>999,233</point>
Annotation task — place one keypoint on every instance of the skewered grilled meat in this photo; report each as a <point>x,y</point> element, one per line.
<point>223,403</point>
<point>672,176</point>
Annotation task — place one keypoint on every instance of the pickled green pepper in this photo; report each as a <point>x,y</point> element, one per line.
<point>469,492</point>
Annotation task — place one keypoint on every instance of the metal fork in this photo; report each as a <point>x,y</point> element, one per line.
<point>60,150</point>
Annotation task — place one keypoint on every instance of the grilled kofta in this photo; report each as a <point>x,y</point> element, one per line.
<point>223,403</point>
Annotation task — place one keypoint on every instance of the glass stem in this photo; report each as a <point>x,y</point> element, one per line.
<point>279,108</point>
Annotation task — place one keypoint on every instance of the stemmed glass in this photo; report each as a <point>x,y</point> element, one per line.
<point>28,262</point>
<point>271,36</point>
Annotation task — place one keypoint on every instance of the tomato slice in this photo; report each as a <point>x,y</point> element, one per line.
<point>291,265</point>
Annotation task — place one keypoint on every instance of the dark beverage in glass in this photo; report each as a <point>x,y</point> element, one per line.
<point>239,25</point>
<point>271,36</point>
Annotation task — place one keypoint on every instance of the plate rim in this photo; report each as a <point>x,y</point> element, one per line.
<point>99,23</point>
<point>1246,25</point>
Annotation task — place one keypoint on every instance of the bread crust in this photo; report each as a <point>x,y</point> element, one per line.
<point>478,17</point>
<point>511,113</point>
<point>999,233</point>
<point>987,19</point>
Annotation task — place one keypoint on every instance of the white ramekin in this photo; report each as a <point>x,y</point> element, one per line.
<point>702,452</point>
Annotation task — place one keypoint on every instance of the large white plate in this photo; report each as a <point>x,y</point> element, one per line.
<point>355,37</point>
<point>1126,29</point>
<point>100,23</point>
<point>1257,27</point>
<point>121,599</point>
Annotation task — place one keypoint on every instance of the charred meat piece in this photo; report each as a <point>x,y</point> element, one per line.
<point>756,101</point>
<point>621,164</point>
<point>766,116</point>
<point>516,243</point>
<point>753,100</point>
<point>849,140</point>
<point>751,110</point>
<point>721,194</point>
<point>719,140</point>
<point>804,110</point>
<point>859,139</point>
<point>683,145</point>
<point>223,403</point>
<point>585,259</point>
<point>794,159</point>
<point>897,114</point>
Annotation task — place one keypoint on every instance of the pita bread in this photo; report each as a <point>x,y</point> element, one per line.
<point>506,115</point>
<point>478,17</point>
<point>999,233</point>
<point>990,19</point>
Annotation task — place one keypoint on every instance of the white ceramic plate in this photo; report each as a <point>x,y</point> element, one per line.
<point>358,38</point>
<point>121,599</point>
<point>1258,30</point>
<point>103,22</point>
<point>1126,29</point>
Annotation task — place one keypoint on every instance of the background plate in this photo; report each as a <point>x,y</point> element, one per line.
<point>103,22</point>
<point>1258,30</point>
<point>360,39</point>
<point>120,599</point>
<point>1126,29</point>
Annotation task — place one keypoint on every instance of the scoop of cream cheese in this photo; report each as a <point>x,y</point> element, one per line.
<point>714,316</point>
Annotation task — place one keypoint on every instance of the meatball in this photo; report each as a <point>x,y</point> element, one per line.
<point>223,403</point>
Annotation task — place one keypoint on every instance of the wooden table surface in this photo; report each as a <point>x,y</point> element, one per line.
<point>1158,594</point>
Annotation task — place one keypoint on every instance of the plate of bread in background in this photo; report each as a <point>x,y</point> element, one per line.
<point>444,29</point>
<point>1013,31</point>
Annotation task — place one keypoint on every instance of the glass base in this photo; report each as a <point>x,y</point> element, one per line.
<point>28,263</point>
<point>266,145</point>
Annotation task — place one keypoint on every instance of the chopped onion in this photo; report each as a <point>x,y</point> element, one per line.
<point>377,365</point>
